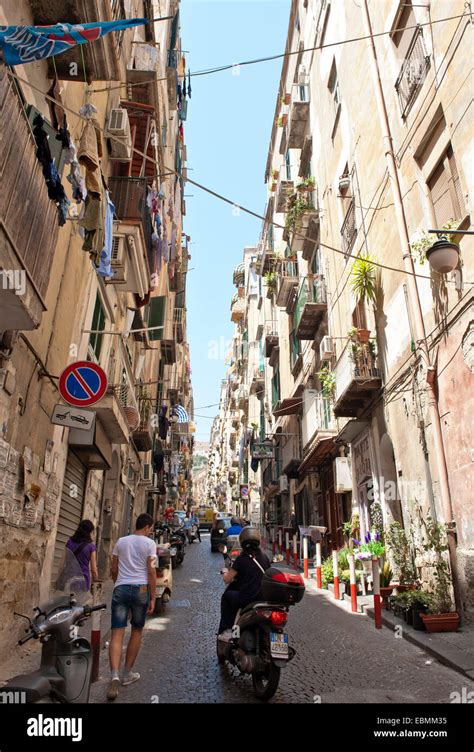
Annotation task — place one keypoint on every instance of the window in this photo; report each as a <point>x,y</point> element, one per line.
<point>333,86</point>
<point>288,164</point>
<point>408,40</point>
<point>295,349</point>
<point>445,190</point>
<point>157,316</point>
<point>275,389</point>
<point>98,324</point>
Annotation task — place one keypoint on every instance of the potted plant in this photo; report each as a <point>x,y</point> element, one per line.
<point>386,586</point>
<point>439,248</point>
<point>327,573</point>
<point>273,187</point>
<point>372,548</point>
<point>271,282</point>
<point>282,121</point>
<point>419,602</point>
<point>363,280</point>
<point>440,616</point>
<point>344,183</point>
<point>275,175</point>
<point>307,185</point>
<point>328,381</point>
<point>286,99</point>
<point>401,555</point>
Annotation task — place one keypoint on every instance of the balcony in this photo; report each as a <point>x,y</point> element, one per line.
<point>239,275</point>
<point>143,64</point>
<point>101,57</point>
<point>143,435</point>
<point>349,229</point>
<point>242,397</point>
<point>285,189</point>
<point>257,384</point>
<point>168,351</point>
<point>298,118</point>
<point>413,72</point>
<point>358,379</point>
<point>271,340</point>
<point>237,308</point>
<point>118,409</point>
<point>305,235</point>
<point>179,321</point>
<point>172,78</point>
<point>287,281</point>
<point>318,420</point>
<point>28,228</point>
<point>311,305</point>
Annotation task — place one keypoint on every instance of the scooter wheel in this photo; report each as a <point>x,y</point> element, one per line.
<point>266,684</point>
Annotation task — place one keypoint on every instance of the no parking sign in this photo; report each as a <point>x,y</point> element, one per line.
<point>83,383</point>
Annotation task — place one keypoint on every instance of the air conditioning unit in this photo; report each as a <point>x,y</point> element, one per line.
<point>326,349</point>
<point>118,130</point>
<point>283,484</point>
<point>119,259</point>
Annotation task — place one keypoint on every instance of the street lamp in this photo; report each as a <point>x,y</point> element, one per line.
<point>444,254</point>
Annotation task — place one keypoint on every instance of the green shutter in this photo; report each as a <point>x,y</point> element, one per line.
<point>157,316</point>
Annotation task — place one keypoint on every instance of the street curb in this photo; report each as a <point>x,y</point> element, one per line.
<point>450,657</point>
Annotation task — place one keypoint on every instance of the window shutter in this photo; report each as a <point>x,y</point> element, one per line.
<point>157,316</point>
<point>441,199</point>
<point>458,198</point>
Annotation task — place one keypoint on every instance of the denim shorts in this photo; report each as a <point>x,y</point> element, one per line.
<point>133,599</point>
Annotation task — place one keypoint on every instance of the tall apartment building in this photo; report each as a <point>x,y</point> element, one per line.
<point>363,398</point>
<point>130,317</point>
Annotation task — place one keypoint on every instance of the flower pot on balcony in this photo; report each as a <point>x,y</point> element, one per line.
<point>286,99</point>
<point>418,623</point>
<point>441,622</point>
<point>273,187</point>
<point>363,335</point>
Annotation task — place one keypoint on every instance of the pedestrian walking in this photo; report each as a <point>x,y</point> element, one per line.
<point>84,550</point>
<point>134,574</point>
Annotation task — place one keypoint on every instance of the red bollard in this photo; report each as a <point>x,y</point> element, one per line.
<point>352,571</point>
<point>280,542</point>
<point>287,547</point>
<point>319,579</point>
<point>376,587</point>
<point>336,574</point>
<point>295,552</point>
<point>305,556</point>
<point>95,631</point>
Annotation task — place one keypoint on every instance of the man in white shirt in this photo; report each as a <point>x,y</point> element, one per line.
<point>134,574</point>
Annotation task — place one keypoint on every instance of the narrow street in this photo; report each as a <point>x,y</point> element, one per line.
<point>340,657</point>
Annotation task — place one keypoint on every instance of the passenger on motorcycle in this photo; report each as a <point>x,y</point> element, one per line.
<point>235,527</point>
<point>244,579</point>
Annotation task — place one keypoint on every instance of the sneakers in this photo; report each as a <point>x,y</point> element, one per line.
<point>113,689</point>
<point>225,636</point>
<point>133,676</point>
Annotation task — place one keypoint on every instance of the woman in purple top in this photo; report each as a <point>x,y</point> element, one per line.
<point>85,551</point>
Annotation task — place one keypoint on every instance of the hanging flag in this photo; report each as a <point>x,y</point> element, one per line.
<point>180,413</point>
<point>24,44</point>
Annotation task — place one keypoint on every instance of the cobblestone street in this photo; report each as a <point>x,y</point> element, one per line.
<point>340,657</point>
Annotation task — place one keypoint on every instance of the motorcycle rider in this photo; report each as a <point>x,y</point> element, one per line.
<point>248,567</point>
<point>235,527</point>
<point>195,521</point>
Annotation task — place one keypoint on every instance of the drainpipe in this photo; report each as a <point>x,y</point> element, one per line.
<point>414,300</point>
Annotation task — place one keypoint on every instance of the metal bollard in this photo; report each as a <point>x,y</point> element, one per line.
<point>295,551</point>
<point>280,543</point>
<point>272,535</point>
<point>287,547</point>
<point>319,579</point>
<point>95,630</point>
<point>336,574</point>
<point>305,556</point>
<point>353,582</point>
<point>376,589</point>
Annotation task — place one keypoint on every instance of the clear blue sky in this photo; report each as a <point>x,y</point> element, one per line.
<point>227,135</point>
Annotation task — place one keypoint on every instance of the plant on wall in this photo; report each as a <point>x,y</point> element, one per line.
<point>297,205</point>
<point>399,546</point>
<point>328,381</point>
<point>271,280</point>
<point>423,240</point>
<point>307,184</point>
<point>363,279</point>
<point>436,545</point>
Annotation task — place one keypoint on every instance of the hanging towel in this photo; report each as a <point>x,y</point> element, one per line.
<point>89,154</point>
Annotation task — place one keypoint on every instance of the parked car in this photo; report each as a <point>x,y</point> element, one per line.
<point>206,517</point>
<point>218,532</point>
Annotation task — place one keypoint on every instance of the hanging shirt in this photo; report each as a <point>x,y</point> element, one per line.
<point>105,268</point>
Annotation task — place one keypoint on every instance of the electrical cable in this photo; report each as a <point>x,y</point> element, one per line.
<point>219,196</point>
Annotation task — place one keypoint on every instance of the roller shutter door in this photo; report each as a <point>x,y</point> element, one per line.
<point>70,512</point>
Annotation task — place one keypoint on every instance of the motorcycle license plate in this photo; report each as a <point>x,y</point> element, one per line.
<point>279,645</point>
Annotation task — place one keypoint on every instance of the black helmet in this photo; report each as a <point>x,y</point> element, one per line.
<point>235,521</point>
<point>250,536</point>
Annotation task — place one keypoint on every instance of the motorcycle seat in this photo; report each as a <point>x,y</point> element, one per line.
<point>252,605</point>
<point>35,686</point>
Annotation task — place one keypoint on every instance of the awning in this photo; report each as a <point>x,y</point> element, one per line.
<point>317,453</point>
<point>288,406</point>
<point>351,431</point>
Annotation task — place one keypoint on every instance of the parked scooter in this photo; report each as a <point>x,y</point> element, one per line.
<point>193,534</point>
<point>164,576</point>
<point>64,675</point>
<point>260,645</point>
